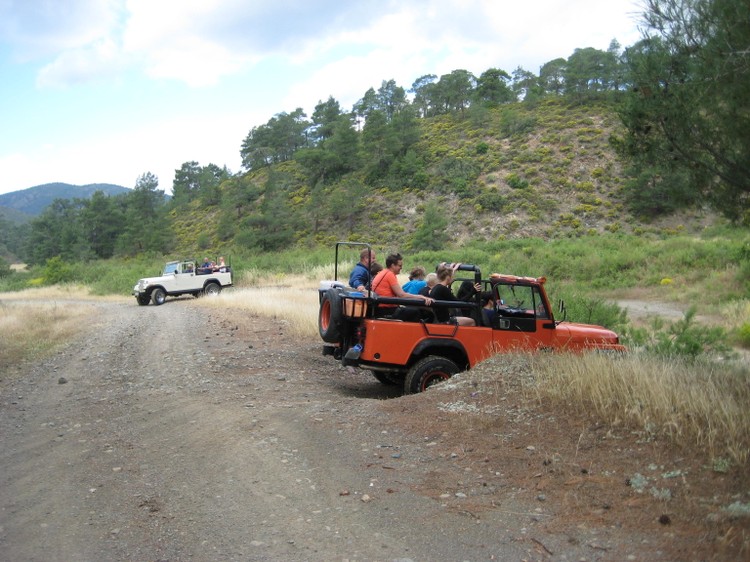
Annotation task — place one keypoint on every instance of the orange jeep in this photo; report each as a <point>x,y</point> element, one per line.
<point>420,353</point>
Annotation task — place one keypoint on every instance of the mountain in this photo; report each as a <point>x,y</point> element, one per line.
<point>32,201</point>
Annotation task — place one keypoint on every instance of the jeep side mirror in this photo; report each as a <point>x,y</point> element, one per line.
<point>563,310</point>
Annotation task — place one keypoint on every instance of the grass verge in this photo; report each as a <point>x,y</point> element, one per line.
<point>689,403</point>
<point>34,322</point>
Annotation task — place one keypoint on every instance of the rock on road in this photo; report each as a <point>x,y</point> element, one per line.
<point>185,432</point>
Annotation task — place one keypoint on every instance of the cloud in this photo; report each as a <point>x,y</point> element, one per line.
<point>37,29</point>
<point>200,41</point>
<point>99,60</point>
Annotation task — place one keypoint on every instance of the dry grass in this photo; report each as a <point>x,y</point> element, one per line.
<point>29,330</point>
<point>736,313</point>
<point>310,279</point>
<point>62,292</point>
<point>34,322</point>
<point>293,300</point>
<point>703,404</point>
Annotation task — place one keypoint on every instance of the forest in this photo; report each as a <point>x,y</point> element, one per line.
<point>602,141</point>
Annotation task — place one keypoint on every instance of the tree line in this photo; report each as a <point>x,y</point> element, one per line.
<point>385,117</point>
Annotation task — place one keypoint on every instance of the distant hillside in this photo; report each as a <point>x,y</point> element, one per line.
<point>14,216</point>
<point>32,201</point>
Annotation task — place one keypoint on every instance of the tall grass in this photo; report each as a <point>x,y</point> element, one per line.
<point>702,404</point>
<point>292,299</point>
<point>44,320</point>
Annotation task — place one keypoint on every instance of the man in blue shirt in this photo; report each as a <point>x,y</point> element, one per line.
<point>360,276</point>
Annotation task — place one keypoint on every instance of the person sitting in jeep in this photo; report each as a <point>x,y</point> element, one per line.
<point>442,292</point>
<point>361,275</point>
<point>386,284</point>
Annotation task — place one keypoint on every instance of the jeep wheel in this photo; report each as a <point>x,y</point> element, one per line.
<point>142,300</point>
<point>329,316</point>
<point>428,371</point>
<point>212,289</point>
<point>158,296</point>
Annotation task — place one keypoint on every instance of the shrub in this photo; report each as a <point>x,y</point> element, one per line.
<point>686,339</point>
<point>57,271</point>
<point>590,310</point>
<point>743,336</point>
<point>516,182</point>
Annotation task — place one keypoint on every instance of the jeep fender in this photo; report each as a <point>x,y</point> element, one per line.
<point>448,348</point>
<point>150,289</point>
<point>211,280</point>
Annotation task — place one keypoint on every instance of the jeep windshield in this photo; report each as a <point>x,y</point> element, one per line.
<point>170,268</point>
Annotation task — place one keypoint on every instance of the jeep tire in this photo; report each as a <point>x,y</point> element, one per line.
<point>158,296</point>
<point>143,300</point>
<point>329,316</point>
<point>212,289</point>
<point>428,371</point>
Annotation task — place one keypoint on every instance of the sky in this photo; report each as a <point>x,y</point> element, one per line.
<point>103,91</point>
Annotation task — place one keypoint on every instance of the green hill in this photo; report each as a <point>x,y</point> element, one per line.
<point>544,170</point>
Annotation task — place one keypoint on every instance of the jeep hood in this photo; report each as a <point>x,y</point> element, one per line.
<point>586,335</point>
<point>152,280</point>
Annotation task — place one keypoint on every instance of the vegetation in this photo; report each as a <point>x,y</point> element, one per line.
<point>502,155</point>
<point>690,404</point>
<point>687,122</point>
<point>31,330</point>
<point>511,171</point>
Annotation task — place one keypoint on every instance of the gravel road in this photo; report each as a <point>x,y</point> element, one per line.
<point>189,432</point>
<point>181,433</point>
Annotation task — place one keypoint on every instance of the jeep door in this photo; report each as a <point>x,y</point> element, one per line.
<point>523,321</point>
<point>184,279</point>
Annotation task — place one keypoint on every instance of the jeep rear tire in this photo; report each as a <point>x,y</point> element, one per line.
<point>212,289</point>
<point>329,316</point>
<point>428,371</point>
<point>158,296</point>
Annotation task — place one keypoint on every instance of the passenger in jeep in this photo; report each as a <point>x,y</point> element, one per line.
<point>360,276</point>
<point>430,282</point>
<point>442,292</point>
<point>386,284</point>
<point>489,312</point>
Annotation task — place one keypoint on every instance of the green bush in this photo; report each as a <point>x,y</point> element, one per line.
<point>57,271</point>
<point>743,336</point>
<point>516,182</point>
<point>685,339</point>
<point>594,310</point>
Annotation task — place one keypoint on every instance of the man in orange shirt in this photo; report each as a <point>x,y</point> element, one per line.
<point>386,283</point>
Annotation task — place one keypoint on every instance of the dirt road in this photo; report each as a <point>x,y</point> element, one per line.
<point>183,432</point>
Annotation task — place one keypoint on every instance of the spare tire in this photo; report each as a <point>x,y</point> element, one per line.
<point>329,316</point>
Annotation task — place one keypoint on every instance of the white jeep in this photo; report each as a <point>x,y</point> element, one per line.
<point>182,278</point>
